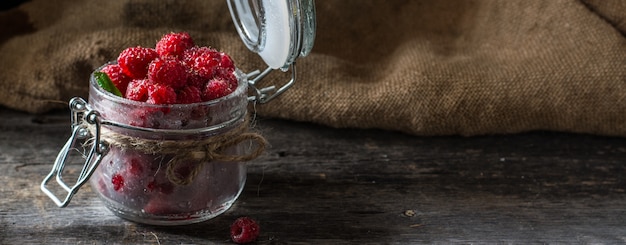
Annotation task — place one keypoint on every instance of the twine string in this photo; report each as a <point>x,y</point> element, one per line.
<point>202,151</point>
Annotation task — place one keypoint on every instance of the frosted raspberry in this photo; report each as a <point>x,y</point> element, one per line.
<point>118,182</point>
<point>135,168</point>
<point>167,71</point>
<point>226,62</point>
<point>165,187</point>
<point>137,90</point>
<point>216,88</point>
<point>202,61</point>
<point>135,60</point>
<point>161,94</point>
<point>174,44</point>
<point>146,117</point>
<point>160,206</point>
<point>229,76</point>
<point>196,80</point>
<point>117,76</point>
<point>244,230</point>
<point>188,95</point>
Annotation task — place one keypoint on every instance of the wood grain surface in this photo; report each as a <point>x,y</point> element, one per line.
<point>319,185</point>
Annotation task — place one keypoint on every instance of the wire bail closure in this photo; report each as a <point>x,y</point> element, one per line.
<point>82,117</point>
<point>264,95</point>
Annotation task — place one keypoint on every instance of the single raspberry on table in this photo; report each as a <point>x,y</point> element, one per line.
<point>174,44</point>
<point>117,76</point>
<point>159,94</point>
<point>168,71</point>
<point>138,90</point>
<point>244,230</point>
<point>134,61</point>
<point>216,88</point>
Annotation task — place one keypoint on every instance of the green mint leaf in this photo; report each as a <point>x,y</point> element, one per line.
<point>105,83</point>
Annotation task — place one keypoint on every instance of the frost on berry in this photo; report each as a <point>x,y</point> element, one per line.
<point>167,71</point>
<point>216,88</point>
<point>117,76</point>
<point>138,90</point>
<point>159,94</point>
<point>134,61</point>
<point>202,61</point>
<point>174,44</point>
<point>228,76</point>
<point>226,62</point>
<point>244,230</point>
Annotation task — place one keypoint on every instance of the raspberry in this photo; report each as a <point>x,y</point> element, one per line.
<point>229,76</point>
<point>226,62</point>
<point>118,181</point>
<point>174,44</point>
<point>188,95</point>
<point>195,80</point>
<point>135,60</point>
<point>244,230</point>
<point>202,61</point>
<point>117,76</point>
<point>161,94</point>
<point>147,117</point>
<point>165,187</point>
<point>169,72</point>
<point>216,88</point>
<point>137,90</point>
<point>136,167</point>
<point>159,206</point>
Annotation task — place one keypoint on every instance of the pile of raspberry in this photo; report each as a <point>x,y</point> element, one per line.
<point>176,71</point>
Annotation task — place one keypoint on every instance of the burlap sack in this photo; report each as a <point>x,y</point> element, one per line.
<point>446,67</point>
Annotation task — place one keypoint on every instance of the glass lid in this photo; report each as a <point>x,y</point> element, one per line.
<point>278,30</point>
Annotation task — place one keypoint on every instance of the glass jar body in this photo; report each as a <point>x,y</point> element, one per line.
<point>159,187</point>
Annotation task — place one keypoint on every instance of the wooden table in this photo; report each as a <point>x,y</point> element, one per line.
<point>319,185</point>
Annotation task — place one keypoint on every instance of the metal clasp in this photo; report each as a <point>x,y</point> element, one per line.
<point>264,95</point>
<point>82,118</point>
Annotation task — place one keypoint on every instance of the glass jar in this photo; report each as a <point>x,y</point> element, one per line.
<point>183,163</point>
<point>156,179</point>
